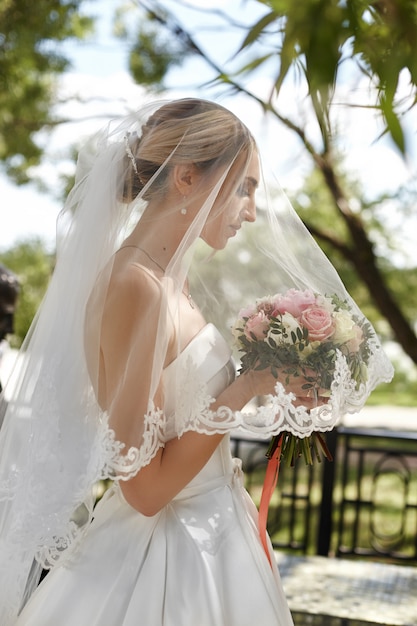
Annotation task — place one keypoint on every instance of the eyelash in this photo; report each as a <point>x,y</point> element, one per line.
<point>243,191</point>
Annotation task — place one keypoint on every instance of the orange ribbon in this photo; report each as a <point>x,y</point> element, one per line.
<point>270,482</point>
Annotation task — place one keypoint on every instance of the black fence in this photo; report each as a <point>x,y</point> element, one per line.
<point>364,503</point>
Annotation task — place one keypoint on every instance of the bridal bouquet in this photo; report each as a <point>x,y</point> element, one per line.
<point>301,334</point>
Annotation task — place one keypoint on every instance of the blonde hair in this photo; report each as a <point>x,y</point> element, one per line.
<point>184,131</point>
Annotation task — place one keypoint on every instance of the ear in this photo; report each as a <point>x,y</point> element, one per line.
<point>185,176</point>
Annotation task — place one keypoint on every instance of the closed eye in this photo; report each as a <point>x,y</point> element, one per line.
<point>243,191</point>
<point>248,187</point>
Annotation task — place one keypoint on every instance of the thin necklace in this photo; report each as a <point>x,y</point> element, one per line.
<point>187,295</point>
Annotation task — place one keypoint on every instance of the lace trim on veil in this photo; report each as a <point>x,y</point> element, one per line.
<point>193,413</point>
<point>116,463</point>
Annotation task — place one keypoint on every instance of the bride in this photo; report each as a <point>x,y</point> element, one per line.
<point>125,377</point>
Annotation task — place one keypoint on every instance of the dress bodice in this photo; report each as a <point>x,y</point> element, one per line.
<point>211,360</point>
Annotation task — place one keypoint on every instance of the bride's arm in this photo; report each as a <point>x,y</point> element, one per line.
<point>129,334</point>
<point>155,485</point>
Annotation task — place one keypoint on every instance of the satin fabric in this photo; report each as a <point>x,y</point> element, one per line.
<point>198,562</point>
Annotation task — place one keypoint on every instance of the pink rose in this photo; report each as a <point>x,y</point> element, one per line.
<point>294,302</point>
<point>258,325</point>
<point>247,311</point>
<point>267,305</point>
<point>318,322</point>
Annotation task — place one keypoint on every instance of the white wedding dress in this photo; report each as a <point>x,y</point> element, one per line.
<point>198,562</point>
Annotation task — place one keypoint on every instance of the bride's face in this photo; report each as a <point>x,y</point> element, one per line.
<point>226,219</point>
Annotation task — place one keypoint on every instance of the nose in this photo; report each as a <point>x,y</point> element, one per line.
<point>249,212</point>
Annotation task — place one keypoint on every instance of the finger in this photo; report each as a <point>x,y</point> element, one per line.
<point>309,403</point>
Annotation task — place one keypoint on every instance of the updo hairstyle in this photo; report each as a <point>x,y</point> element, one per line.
<point>185,131</point>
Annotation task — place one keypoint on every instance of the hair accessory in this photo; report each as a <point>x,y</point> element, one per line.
<point>130,154</point>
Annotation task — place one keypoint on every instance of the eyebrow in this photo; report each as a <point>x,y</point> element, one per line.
<point>252,181</point>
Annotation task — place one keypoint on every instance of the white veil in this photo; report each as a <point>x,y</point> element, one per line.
<point>59,436</point>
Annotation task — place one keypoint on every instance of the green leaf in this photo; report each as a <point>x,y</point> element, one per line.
<point>256,31</point>
<point>255,63</point>
<point>393,125</point>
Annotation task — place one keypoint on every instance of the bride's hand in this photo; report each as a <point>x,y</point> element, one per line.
<point>262,382</point>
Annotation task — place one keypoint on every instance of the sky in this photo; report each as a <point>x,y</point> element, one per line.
<point>99,76</point>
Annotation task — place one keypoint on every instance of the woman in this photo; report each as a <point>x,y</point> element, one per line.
<point>125,377</point>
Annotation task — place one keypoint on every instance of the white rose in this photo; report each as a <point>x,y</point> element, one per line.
<point>325,303</point>
<point>290,324</point>
<point>344,327</point>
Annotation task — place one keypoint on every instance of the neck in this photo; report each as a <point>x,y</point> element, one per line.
<point>160,237</point>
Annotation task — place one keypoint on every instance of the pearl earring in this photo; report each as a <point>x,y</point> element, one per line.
<point>183,211</point>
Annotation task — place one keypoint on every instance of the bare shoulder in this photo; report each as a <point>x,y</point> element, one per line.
<point>135,308</point>
<point>133,286</point>
<point>132,310</point>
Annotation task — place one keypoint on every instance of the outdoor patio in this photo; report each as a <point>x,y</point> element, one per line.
<point>325,591</point>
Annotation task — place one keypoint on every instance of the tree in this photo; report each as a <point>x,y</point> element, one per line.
<point>313,40</point>
<point>30,62</point>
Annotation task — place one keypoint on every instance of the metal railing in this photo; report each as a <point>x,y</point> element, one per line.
<point>364,503</point>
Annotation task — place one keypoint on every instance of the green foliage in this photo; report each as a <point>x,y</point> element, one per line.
<point>401,391</point>
<point>33,266</point>
<point>30,61</point>
<point>385,38</point>
<point>307,29</point>
<point>151,57</point>
<point>318,34</point>
<point>314,38</point>
<point>153,51</point>
<point>403,282</point>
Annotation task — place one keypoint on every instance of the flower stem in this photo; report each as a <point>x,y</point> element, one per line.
<point>310,448</point>
<point>306,446</point>
<point>324,447</point>
<point>274,445</point>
